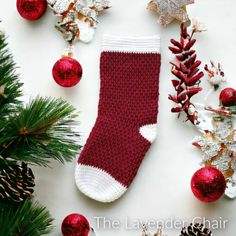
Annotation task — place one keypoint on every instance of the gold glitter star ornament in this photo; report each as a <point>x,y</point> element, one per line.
<point>168,10</point>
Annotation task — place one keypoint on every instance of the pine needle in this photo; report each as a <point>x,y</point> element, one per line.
<point>10,86</point>
<point>40,131</point>
<point>26,219</point>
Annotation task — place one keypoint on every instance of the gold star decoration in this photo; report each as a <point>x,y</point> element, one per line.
<point>219,150</point>
<point>168,10</point>
<point>78,18</point>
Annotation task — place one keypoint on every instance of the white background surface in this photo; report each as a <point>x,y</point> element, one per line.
<point>161,189</point>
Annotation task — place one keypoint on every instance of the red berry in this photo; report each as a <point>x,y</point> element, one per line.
<point>67,72</point>
<point>31,9</point>
<point>228,97</point>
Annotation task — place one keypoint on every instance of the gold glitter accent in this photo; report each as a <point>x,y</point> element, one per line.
<point>168,10</point>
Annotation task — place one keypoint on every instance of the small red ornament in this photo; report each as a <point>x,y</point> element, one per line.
<point>75,225</point>
<point>228,97</point>
<point>67,72</point>
<point>208,184</point>
<point>31,9</point>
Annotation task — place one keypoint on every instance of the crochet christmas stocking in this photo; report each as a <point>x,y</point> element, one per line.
<point>127,117</point>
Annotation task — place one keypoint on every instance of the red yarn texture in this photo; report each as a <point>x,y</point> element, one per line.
<point>128,101</point>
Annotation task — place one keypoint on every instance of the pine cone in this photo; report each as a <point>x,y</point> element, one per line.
<point>195,230</point>
<point>16,181</point>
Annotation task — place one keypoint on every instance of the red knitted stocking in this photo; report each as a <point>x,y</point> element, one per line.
<point>127,117</point>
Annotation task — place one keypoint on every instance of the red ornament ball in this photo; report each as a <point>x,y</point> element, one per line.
<point>228,97</point>
<point>208,184</point>
<point>75,225</point>
<point>31,9</point>
<point>67,72</point>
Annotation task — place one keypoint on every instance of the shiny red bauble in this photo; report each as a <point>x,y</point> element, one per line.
<point>208,184</point>
<point>31,9</point>
<point>67,72</point>
<point>75,225</point>
<point>228,97</point>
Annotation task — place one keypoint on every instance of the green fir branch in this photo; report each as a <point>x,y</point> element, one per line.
<point>35,133</point>
<point>40,131</point>
<point>10,86</point>
<point>25,219</point>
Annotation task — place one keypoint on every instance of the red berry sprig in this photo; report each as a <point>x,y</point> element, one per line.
<point>186,70</point>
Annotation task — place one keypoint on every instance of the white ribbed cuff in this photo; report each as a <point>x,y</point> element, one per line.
<point>149,44</point>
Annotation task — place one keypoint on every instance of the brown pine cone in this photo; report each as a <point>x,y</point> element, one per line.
<point>195,230</point>
<point>16,181</point>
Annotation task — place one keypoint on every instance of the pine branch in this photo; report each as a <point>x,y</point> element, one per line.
<point>10,86</point>
<point>26,219</point>
<point>41,131</point>
<point>35,133</point>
